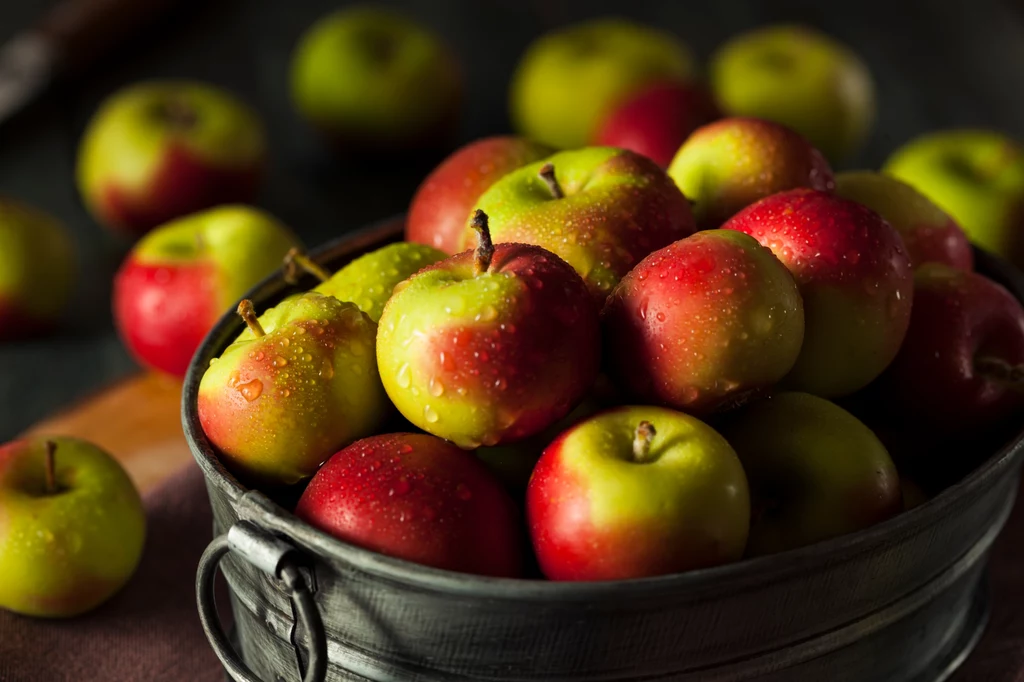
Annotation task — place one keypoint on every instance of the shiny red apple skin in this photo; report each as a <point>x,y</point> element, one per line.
<point>419,498</point>
<point>441,205</point>
<point>656,121</point>
<point>854,276</point>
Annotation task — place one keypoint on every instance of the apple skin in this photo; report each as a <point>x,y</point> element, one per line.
<point>183,276</point>
<point>704,324</point>
<point>928,232</point>
<point>66,553</point>
<point>369,280</point>
<point>815,472</point>
<point>657,120</point>
<point>442,204</point>
<point>618,207</point>
<point>418,498</point>
<point>163,149</point>
<point>855,279</point>
<point>372,80</point>
<point>492,358</point>
<point>569,81</point>
<point>977,177</point>
<point>800,78</point>
<point>729,164</point>
<point>595,513</point>
<point>278,406</point>
<point>37,271</point>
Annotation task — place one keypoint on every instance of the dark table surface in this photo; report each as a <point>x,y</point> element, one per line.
<point>936,65</point>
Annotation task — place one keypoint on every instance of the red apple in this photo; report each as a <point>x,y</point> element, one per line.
<point>442,204</point>
<point>657,120</point>
<point>418,498</point>
<point>855,278</point>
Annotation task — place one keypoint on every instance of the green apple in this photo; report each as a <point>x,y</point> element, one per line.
<point>800,78</point>
<point>162,149</point>
<point>37,270</point>
<point>815,472</point>
<point>636,492</point>
<point>298,384</point>
<point>570,80</point>
<point>977,177</point>
<point>72,527</point>
<point>367,77</point>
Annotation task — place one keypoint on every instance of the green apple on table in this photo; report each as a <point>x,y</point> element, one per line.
<point>801,78</point>
<point>977,177</point>
<point>158,150</point>
<point>37,270</point>
<point>371,79</point>
<point>635,492</point>
<point>72,527</point>
<point>570,80</point>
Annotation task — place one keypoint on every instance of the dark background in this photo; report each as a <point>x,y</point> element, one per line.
<point>935,65</point>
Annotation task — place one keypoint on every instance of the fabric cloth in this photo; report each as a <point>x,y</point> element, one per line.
<point>150,631</point>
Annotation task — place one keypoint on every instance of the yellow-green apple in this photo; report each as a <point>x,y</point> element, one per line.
<point>729,164</point>
<point>855,279</point>
<point>800,78</point>
<point>600,209</point>
<point>418,498</point>
<point>159,150</point>
<point>443,203</point>
<point>298,384</point>
<point>635,492</point>
<point>489,346</point>
<point>928,232</point>
<point>72,527</point>
<point>183,276</point>
<point>657,120</point>
<point>570,80</point>
<point>370,79</point>
<point>704,324</point>
<point>815,472</point>
<point>976,176</point>
<point>37,270</point>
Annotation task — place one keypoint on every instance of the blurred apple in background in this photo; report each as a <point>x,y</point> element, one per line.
<point>801,78</point>
<point>929,234</point>
<point>370,79</point>
<point>37,270</point>
<point>570,80</point>
<point>977,177</point>
<point>657,120</point>
<point>185,275</point>
<point>159,150</point>
<point>444,202</point>
<point>729,164</point>
<point>72,527</point>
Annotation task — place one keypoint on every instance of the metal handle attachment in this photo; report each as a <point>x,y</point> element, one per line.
<point>274,557</point>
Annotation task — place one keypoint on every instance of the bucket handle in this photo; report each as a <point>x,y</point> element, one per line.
<point>276,558</point>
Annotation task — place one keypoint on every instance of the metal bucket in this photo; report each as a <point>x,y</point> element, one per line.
<point>904,601</point>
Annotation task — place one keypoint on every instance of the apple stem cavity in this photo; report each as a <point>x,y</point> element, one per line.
<point>642,438</point>
<point>51,467</point>
<point>547,174</point>
<point>178,114</point>
<point>485,248</point>
<point>248,313</point>
<point>1000,371</point>
<point>295,260</point>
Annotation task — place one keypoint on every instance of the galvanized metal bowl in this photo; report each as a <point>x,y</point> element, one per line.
<point>903,601</point>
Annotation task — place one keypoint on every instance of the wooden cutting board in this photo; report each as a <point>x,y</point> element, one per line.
<point>138,420</point>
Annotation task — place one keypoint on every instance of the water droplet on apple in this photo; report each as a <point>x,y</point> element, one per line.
<point>500,384</point>
<point>405,450</point>
<point>356,369</point>
<point>301,330</point>
<point>280,361</point>
<point>307,357</point>
<point>234,378</point>
<point>446,361</point>
<point>660,317</point>
<point>402,486</point>
<point>251,390</point>
<point>327,371</point>
<point>436,387</point>
<point>463,492</point>
<point>404,376</point>
<point>430,414</point>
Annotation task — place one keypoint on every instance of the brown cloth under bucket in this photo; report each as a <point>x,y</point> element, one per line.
<point>150,631</point>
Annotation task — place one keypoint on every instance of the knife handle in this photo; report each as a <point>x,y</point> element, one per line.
<point>81,31</point>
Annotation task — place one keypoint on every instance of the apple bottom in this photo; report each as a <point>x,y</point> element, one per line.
<point>17,324</point>
<point>83,594</point>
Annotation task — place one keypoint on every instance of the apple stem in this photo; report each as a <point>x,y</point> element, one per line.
<point>642,438</point>
<point>485,248</point>
<point>51,467</point>
<point>295,260</point>
<point>547,174</point>
<point>248,314</point>
<point>1000,371</point>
